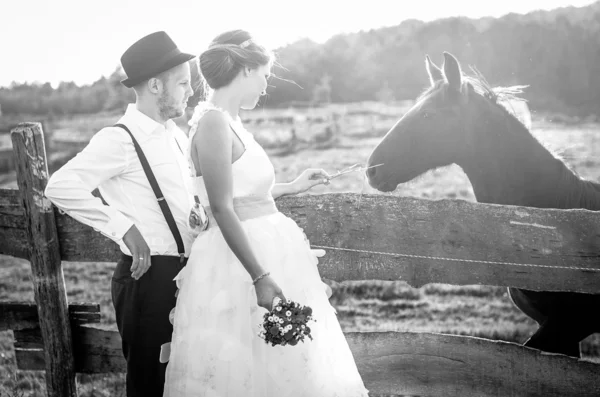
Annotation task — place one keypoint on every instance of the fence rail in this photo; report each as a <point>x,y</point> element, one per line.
<point>407,363</point>
<point>370,237</point>
<point>374,237</point>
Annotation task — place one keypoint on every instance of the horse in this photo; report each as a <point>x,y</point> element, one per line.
<point>462,120</point>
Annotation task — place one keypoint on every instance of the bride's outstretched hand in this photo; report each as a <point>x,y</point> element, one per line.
<point>266,290</point>
<point>311,177</point>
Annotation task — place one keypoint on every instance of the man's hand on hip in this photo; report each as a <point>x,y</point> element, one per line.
<point>140,252</point>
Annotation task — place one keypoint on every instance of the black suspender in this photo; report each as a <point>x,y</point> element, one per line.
<point>164,206</point>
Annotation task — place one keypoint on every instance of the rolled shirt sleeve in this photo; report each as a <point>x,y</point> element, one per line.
<point>70,188</point>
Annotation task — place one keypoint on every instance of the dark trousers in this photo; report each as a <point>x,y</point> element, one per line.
<point>564,318</point>
<point>142,310</point>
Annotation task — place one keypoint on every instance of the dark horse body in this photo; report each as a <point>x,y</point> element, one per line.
<point>459,120</point>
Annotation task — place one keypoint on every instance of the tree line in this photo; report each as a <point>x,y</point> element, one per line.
<point>556,53</point>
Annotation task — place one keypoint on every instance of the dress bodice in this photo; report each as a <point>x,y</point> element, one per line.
<point>253,173</point>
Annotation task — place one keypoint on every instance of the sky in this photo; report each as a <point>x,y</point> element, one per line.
<point>82,40</point>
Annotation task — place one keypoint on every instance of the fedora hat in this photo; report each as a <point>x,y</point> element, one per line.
<point>149,56</point>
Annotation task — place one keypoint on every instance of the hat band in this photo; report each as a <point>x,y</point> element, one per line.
<point>167,56</point>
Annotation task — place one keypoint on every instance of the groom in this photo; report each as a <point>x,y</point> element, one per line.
<point>151,229</point>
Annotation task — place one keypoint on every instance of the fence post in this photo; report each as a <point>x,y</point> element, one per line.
<point>48,279</point>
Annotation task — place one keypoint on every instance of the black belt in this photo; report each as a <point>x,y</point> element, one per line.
<point>130,258</point>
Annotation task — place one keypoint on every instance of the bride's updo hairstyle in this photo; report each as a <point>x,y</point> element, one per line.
<point>228,54</point>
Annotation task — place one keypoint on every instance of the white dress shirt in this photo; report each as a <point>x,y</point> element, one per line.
<point>109,162</point>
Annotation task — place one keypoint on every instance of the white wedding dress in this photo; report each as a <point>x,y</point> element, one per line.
<point>215,349</point>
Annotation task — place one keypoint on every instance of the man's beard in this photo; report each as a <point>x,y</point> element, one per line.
<point>166,109</point>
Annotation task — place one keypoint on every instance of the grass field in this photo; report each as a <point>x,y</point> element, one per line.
<point>332,138</point>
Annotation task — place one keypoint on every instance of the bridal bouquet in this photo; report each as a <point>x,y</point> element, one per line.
<point>286,323</point>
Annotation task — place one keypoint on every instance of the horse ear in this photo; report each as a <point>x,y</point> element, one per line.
<point>434,72</point>
<point>452,71</point>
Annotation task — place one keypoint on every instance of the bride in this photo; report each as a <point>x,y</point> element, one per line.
<point>250,254</point>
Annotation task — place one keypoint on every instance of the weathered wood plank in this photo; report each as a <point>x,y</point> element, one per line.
<point>10,204</point>
<point>74,247</point>
<point>80,243</point>
<point>461,231</point>
<point>13,242</point>
<point>24,315</point>
<point>48,281</point>
<point>96,351</point>
<point>30,338</point>
<point>77,241</point>
<point>13,238</point>
<point>405,363</point>
<point>100,348</point>
<point>452,229</point>
<point>30,359</point>
<point>426,364</point>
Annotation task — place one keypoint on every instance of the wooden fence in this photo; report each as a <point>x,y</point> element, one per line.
<point>373,237</point>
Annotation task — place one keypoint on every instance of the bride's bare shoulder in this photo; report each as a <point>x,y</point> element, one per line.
<point>213,119</point>
<point>212,122</point>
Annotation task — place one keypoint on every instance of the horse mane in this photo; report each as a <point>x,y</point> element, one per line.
<point>494,94</point>
<point>503,97</point>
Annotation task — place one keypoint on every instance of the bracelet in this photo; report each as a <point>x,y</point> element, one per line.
<point>259,277</point>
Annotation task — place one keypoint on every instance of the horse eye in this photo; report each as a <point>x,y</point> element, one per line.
<point>425,115</point>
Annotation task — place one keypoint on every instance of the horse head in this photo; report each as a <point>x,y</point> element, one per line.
<point>430,135</point>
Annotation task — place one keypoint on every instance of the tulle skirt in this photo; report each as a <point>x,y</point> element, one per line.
<point>216,350</point>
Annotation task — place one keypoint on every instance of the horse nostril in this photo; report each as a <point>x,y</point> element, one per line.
<point>371,172</point>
